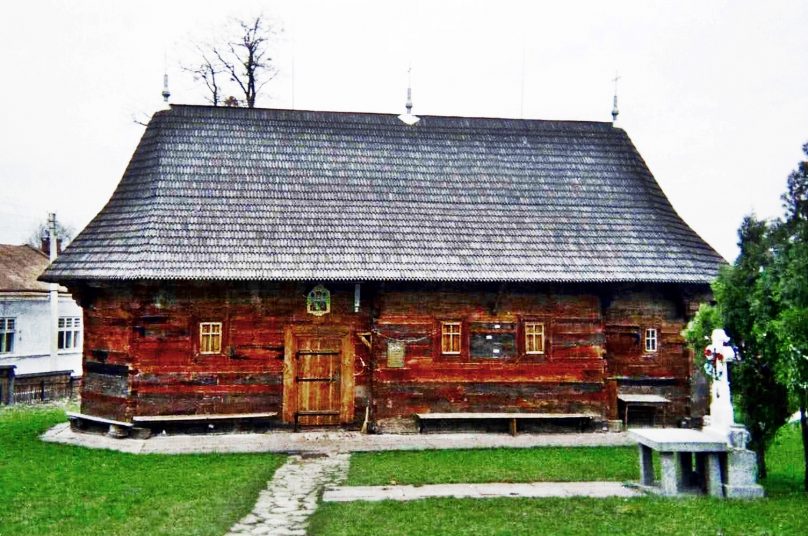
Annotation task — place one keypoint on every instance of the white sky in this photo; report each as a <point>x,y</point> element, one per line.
<point>713,94</point>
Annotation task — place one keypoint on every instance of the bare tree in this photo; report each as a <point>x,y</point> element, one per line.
<point>207,70</point>
<point>242,60</point>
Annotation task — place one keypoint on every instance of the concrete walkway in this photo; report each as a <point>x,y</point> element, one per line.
<point>480,491</point>
<point>326,441</point>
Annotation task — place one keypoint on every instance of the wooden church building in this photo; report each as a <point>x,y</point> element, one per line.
<point>349,268</point>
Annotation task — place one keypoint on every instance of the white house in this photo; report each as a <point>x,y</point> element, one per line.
<point>44,346</point>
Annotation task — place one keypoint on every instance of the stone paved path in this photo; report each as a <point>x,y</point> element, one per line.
<point>480,491</point>
<point>284,507</point>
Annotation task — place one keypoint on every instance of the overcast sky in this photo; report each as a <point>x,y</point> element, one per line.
<point>713,94</point>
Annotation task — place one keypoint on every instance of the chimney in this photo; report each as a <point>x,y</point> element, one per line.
<point>44,244</point>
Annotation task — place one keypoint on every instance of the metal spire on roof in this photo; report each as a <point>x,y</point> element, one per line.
<point>409,91</point>
<point>166,93</point>
<point>407,117</point>
<point>615,111</point>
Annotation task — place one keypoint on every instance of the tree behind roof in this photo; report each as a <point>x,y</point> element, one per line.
<point>64,233</point>
<point>241,62</point>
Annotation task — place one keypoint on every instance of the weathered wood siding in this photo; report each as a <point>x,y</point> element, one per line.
<point>153,333</point>
<point>142,347</point>
<point>569,377</point>
<point>632,369</point>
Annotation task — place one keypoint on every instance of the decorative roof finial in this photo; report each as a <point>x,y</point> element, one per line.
<point>166,93</point>
<point>407,117</point>
<point>409,91</point>
<point>615,111</point>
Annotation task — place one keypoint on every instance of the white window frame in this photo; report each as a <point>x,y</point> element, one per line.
<point>534,331</point>
<point>8,332</point>
<point>210,338</point>
<point>69,337</point>
<point>651,340</point>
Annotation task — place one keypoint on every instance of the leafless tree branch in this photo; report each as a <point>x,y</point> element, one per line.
<point>244,59</point>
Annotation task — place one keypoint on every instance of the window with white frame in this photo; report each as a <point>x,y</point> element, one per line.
<point>534,338</point>
<point>651,341</point>
<point>69,337</point>
<point>7,330</point>
<point>210,337</point>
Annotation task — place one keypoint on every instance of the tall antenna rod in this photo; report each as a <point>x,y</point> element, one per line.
<point>294,27</point>
<point>522,94</point>
<point>615,111</point>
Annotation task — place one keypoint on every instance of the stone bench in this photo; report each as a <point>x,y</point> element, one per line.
<point>512,418</point>
<point>677,448</point>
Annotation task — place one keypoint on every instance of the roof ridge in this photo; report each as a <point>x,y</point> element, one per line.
<point>302,113</point>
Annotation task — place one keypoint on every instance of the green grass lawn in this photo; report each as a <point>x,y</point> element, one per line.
<point>550,464</point>
<point>783,512</point>
<point>58,489</point>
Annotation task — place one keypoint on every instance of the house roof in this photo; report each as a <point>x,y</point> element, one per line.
<point>264,194</point>
<point>19,268</point>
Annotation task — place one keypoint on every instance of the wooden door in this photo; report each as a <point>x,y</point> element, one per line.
<point>318,380</point>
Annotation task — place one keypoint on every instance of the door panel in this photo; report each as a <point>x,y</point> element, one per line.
<point>318,375</point>
<point>318,380</point>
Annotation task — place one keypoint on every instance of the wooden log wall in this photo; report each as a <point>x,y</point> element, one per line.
<point>568,378</point>
<point>142,346</point>
<point>141,351</point>
<point>630,368</point>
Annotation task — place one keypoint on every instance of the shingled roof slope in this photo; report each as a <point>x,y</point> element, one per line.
<point>259,194</point>
<point>19,268</point>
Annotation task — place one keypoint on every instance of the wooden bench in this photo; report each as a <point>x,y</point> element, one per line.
<point>205,417</point>
<point>148,421</point>
<point>72,415</point>
<point>512,418</point>
<point>117,429</point>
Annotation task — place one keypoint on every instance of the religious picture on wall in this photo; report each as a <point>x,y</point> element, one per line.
<point>318,302</point>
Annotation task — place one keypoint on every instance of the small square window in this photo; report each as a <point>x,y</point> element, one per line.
<point>534,338</point>
<point>651,340</point>
<point>450,337</point>
<point>210,337</point>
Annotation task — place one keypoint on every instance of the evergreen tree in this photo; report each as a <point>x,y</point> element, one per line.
<point>746,309</point>
<point>762,302</point>
<point>790,287</point>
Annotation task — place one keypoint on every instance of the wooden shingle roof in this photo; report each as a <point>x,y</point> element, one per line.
<point>19,268</point>
<point>260,194</point>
